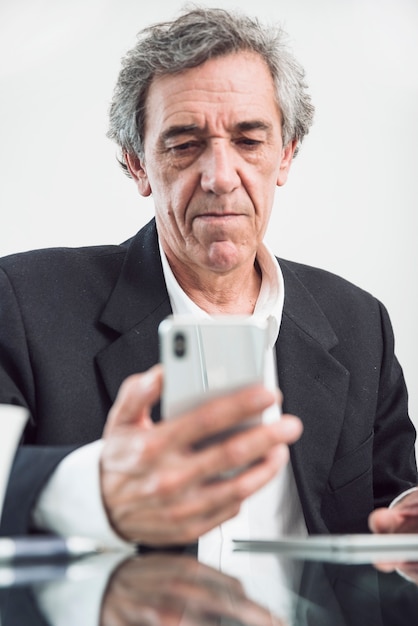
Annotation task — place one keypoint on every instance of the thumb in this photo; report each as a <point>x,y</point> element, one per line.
<point>135,398</point>
<point>384,521</point>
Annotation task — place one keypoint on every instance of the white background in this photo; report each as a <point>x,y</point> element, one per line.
<point>350,203</point>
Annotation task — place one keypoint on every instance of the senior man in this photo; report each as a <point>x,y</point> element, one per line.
<point>209,111</point>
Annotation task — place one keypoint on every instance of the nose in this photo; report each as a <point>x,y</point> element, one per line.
<point>219,173</point>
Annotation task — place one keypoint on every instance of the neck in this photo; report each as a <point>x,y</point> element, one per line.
<point>232,293</point>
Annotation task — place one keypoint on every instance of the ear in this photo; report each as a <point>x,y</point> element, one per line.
<point>138,172</point>
<point>287,157</point>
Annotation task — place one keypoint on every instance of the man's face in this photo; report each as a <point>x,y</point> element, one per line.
<point>213,157</point>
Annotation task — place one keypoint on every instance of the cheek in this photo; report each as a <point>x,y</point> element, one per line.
<point>179,192</point>
<point>170,203</point>
<point>262,191</point>
<point>261,180</point>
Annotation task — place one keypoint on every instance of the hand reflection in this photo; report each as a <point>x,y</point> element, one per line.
<point>169,590</point>
<point>406,569</point>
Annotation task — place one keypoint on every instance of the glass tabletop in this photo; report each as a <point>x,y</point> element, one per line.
<point>261,588</point>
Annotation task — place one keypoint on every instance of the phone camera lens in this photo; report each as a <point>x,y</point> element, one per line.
<point>179,345</point>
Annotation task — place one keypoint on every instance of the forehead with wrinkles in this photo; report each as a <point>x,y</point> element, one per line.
<point>219,95</point>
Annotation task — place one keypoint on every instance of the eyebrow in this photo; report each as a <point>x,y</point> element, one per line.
<point>181,129</point>
<point>184,129</point>
<point>253,125</point>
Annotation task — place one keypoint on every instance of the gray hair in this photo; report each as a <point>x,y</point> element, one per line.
<point>190,40</point>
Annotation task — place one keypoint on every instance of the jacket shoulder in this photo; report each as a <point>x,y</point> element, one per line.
<point>49,267</point>
<point>54,257</point>
<point>322,283</point>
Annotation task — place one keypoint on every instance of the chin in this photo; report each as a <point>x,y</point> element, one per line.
<point>222,261</point>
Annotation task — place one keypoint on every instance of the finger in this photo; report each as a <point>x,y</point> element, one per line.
<point>408,570</point>
<point>408,504</point>
<point>157,485</point>
<point>248,481</point>
<point>135,397</point>
<point>156,527</point>
<point>197,512</point>
<point>386,568</point>
<point>193,470</point>
<point>164,521</point>
<point>245,448</point>
<point>243,611</point>
<point>220,414</point>
<point>384,521</point>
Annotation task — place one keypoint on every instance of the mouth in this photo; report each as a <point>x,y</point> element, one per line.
<point>218,216</point>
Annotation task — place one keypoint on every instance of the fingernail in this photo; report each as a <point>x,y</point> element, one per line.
<point>149,380</point>
<point>290,426</point>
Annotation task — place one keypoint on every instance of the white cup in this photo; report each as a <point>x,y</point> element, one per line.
<point>12,423</point>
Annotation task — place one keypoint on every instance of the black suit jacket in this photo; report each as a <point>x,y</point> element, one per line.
<point>75,322</point>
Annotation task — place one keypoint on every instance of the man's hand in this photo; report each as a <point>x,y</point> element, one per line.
<point>402,518</point>
<point>158,489</point>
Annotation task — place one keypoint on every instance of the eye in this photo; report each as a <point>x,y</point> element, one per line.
<point>246,142</point>
<point>186,146</point>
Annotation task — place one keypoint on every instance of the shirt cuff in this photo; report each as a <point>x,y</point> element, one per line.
<point>71,504</point>
<point>402,496</point>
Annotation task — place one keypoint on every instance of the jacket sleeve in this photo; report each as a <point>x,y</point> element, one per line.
<point>33,464</point>
<point>394,464</point>
<point>31,470</point>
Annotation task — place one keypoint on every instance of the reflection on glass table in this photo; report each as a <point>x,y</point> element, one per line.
<point>171,589</point>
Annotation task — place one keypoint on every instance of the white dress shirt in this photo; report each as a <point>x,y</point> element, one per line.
<point>275,509</point>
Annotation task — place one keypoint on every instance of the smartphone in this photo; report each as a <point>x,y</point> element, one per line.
<point>207,357</point>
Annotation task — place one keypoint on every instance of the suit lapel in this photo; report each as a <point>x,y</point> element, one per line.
<point>138,303</point>
<point>314,386</point>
